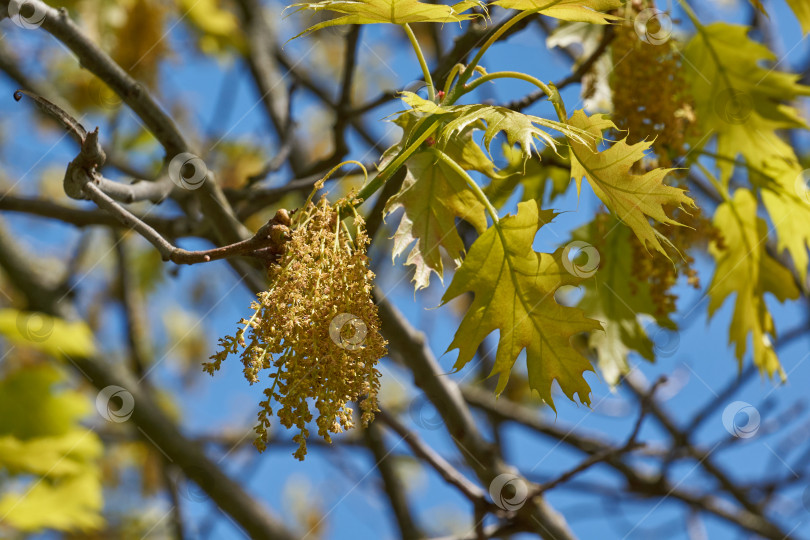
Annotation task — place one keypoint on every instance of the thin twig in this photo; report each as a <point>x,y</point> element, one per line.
<point>432,458</point>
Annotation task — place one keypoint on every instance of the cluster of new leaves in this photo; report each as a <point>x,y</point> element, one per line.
<point>514,287</point>
<point>740,106</point>
<point>734,102</point>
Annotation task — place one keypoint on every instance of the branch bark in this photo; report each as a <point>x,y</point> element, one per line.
<point>410,347</point>
<point>92,58</point>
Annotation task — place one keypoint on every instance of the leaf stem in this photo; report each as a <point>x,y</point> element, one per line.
<point>479,193</point>
<point>465,75</point>
<point>549,89</point>
<point>458,68</point>
<point>709,46</point>
<point>721,189</point>
<point>422,63</point>
<point>369,189</point>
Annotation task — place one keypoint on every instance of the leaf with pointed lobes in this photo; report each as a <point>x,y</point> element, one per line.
<point>514,290</point>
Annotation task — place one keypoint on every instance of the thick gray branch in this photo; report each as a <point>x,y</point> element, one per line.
<point>410,347</point>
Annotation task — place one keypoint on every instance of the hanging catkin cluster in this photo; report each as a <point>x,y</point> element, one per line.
<point>662,274</point>
<point>315,333</point>
<point>650,97</point>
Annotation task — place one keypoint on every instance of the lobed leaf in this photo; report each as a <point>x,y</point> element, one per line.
<point>740,101</point>
<point>567,10</point>
<point>387,11</point>
<point>784,192</point>
<point>616,297</point>
<point>520,129</point>
<point>513,289</point>
<point>433,196</point>
<point>745,268</point>
<point>633,198</point>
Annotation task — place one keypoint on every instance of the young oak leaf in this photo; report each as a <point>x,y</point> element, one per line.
<point>387,11</point>
<point>786,196</point>
<point>567,10</point>
<point>633,198</point>
<point>615,297</point>
<point>521,129</point>
<point>514,290</point>
<point>745,268</point>
<point>740,101</point>
<point>433,196</point>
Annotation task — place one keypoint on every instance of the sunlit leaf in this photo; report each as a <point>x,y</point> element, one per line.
<point>387,11</point>
<point>50,456</point>
<point>737,99</point>
<point>520,129</point>
<point>69,503</point>
<point>746,270</point>
<point>514,290</point>
<point>633,198</point>
<point>433,195</point>
<point>784,192</point>
<point>568,10</point>
<point>615,296</point>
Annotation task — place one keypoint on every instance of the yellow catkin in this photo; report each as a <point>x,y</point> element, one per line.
<point>315,334</point>
<point>662,273</point>
<point>650,98</point>
<point>651,102</point>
